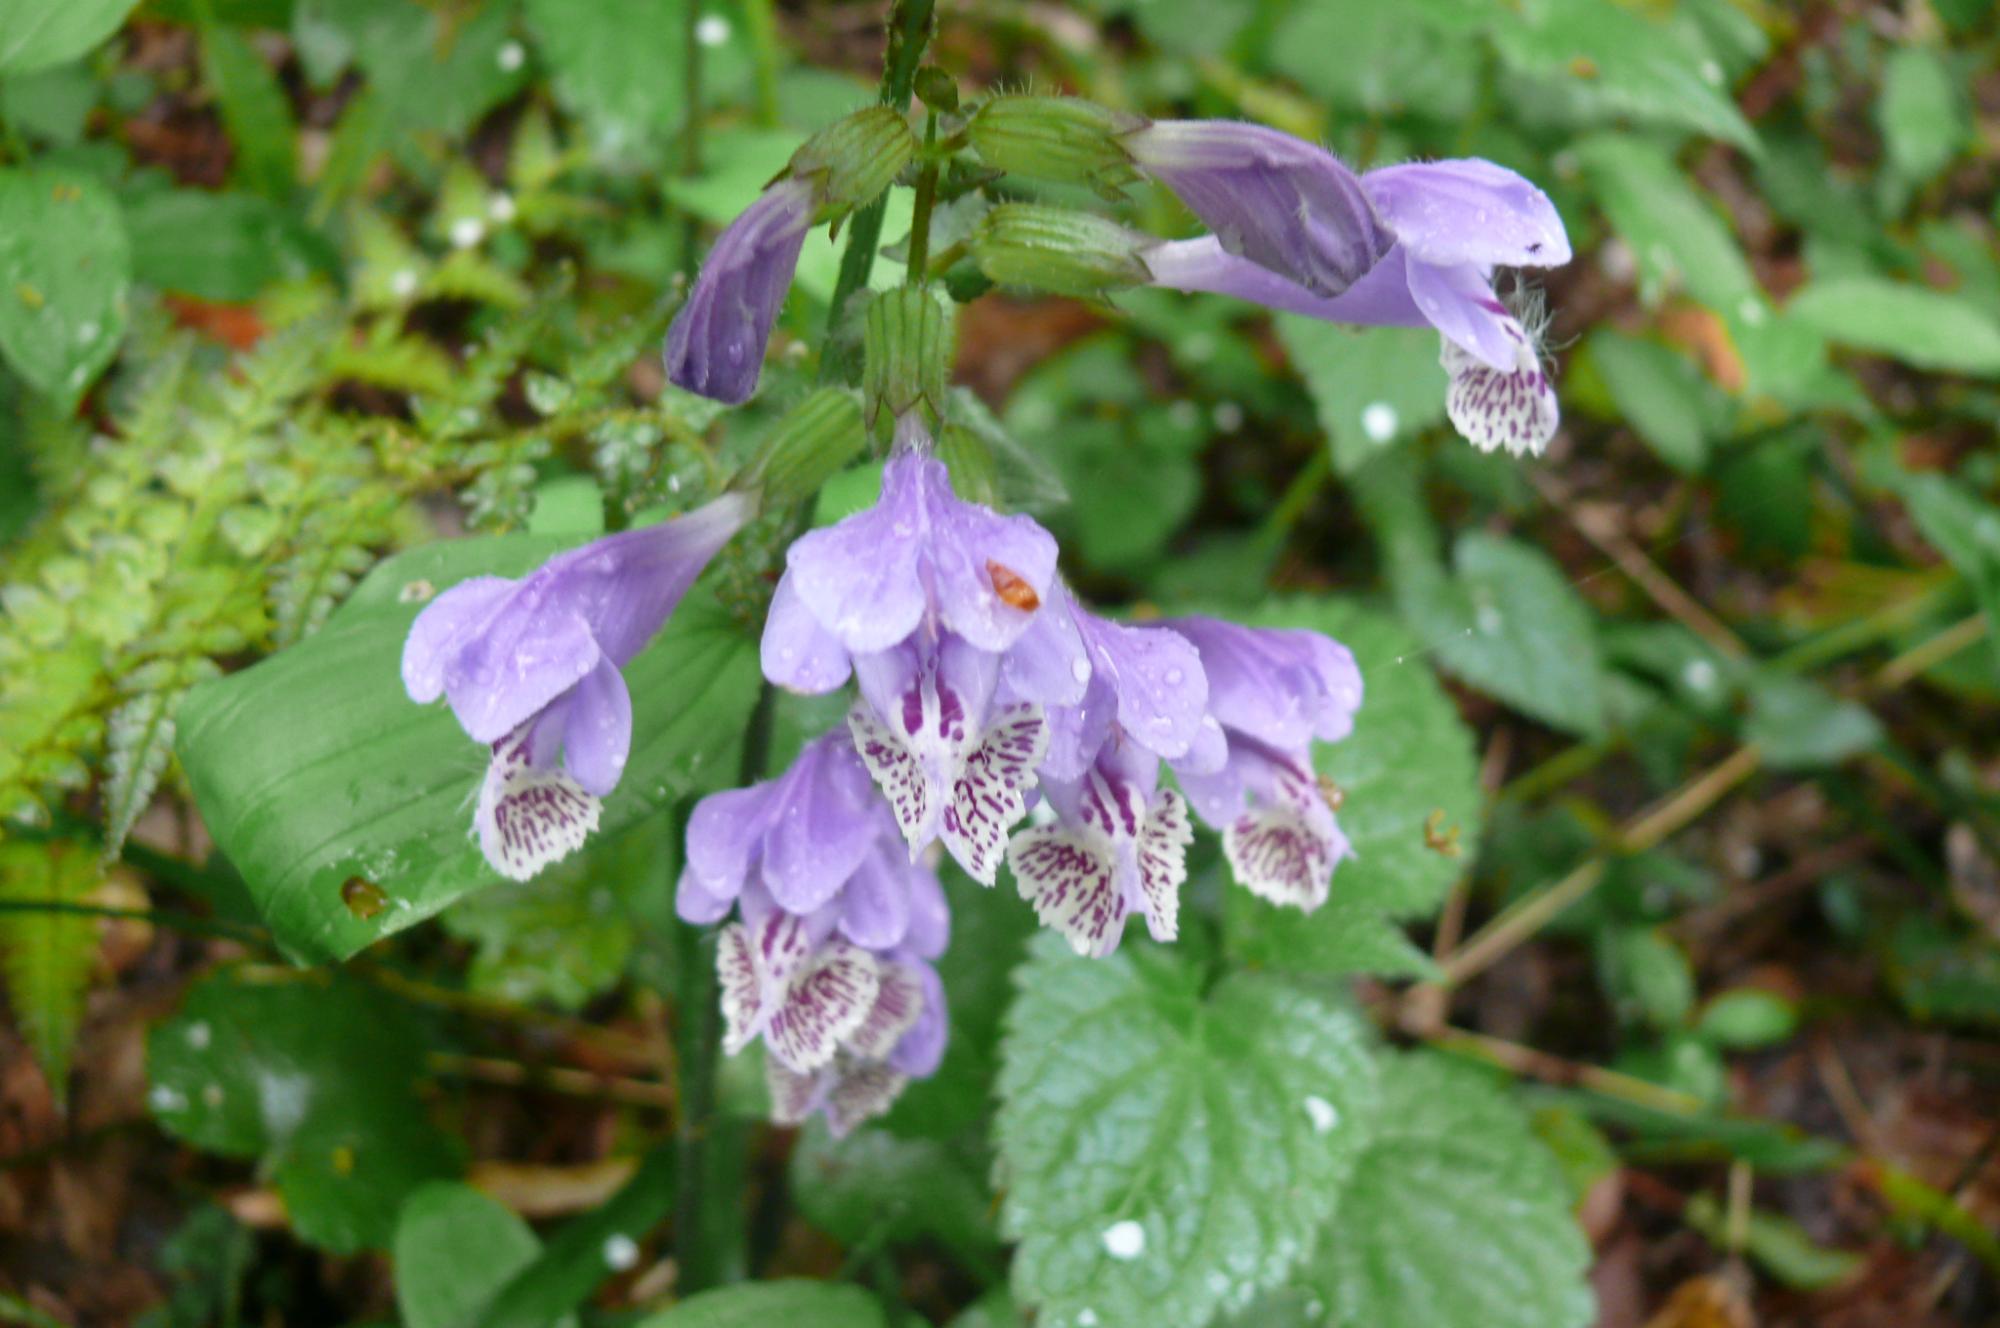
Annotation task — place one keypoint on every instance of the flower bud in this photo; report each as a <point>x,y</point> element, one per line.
<point>814,440</point>
<point>908,341</point>
<point>1065,139</point>
<point>852,160</point>
<point>1056,249</point>
<point>936,90</point>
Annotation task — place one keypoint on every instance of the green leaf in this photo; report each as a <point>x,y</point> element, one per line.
<point>316,1077</point>
<point>35,34</point>
<point>1779,1245</point>
<point>1746,1018</point>
<point>1919,326</point>
<point>1615,60</point>
<point>1921,112</point>
<point>1646,974</point>
<point>1659,393</point>
<point>1166,1153</point>
<point>1388,64</point>
<point>1799,725</point>
<point>764,1304</point>
<point>582,1253</point>
<point>217,246</point>
<point>1456,1214</point>
<point>64,266</point>
<point>46,955</point>
<point>255,109</point>
<point>1510,623</point>
<point>455,1249</point>
<point>367,786</point>
<point>1676,235</point>
<point>1370,386</point>
<point>874,1186</point>
<point>1409,765</point>
<point>1965,530</point>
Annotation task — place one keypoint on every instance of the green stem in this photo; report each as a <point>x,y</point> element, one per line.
<point>158,917</point>
<point>909,33</point>
<point>763,25</point>
<point>690,126</point>
<point>920,216</point>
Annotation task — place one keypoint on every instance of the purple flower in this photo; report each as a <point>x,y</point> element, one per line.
<point>1273,692</point>
<point>531,668</point>
<point>1118,843</point>
<point>931,603</point>
<point>1287,237</point>
<point>715,347</point>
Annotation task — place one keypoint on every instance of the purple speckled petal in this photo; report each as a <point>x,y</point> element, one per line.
<point>716,345</point>
<point>1280,202</point>
<point>441,628</point>
<point>860,577</point>
<point>1460,303</point>
<point>797,653</point>
<point>598,735</point>
<point>529,816</point>
<point>1468,211</point>
<point>1514,408</point>
<point>1379,299</point>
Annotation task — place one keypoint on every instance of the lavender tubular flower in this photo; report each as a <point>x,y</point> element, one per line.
<point>1272,692</point>
<point>531,667</point>
<point>829,962</point>
<point>715,347</point>
<point>931,603</point>
<point>1118,843</point>
<point>1286,237</point>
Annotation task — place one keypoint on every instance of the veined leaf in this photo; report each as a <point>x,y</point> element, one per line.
<point>1919,326</point>
<point>315,771</point>
<point>1456,1214</point>
<point>1166,1153</point>
<point>35,34</point>
<point>45,953</point>
<point>455,1249</point>
<point>64,267</point>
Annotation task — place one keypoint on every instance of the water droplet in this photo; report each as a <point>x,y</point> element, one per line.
<point>466,232</point>
<point>1699,675</point>
<point>620,1251</point>
<point>165,1097</point>
<point>1125,1240</point>
<point>199,1034</point>
<point>211,1096</point>
<point>1228,416</point>
<point>501,208</point>
<point>1379,421</point>
<point>511,56</point>
<point>712,30</point>
<point>1174,677</point>
<point>1489,619</point>
<point>404,284</point>
<point>1079,669</point>
<point>1086,1318</point>
<point>1324,1114</point>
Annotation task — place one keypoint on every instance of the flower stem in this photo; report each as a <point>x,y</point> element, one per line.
<point>690,127</point>
<point>910,24</point>
<point>920,216</point>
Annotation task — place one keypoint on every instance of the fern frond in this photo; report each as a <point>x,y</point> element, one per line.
<point>46,954</point>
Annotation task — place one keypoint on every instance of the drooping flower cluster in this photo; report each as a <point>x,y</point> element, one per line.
<point>1406,246</point>
<point>829,959</point>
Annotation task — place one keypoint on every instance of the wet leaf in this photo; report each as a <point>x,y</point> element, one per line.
<point>1164,1153</point>
<point>762,1304</point>
<point>64,267</point>
<point>365,783</point>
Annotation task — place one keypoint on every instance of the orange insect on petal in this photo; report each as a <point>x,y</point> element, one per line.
<point>1012,588</point>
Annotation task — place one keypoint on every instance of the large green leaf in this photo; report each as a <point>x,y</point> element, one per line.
<point>347,809</point>
<point>1410,804</point>
<point>35,34</point>
<point>874,1186</point>
<point>764,1304</point>
<point>64,267</point>
<point>1371,387</point>
<point>1167,1153</point>
<point>1921,112</point>
<point>316,1077</point>
<point>1919,326</point>
<point>455,1249</point>
<point>1614,59</point>
<point>1676,234</point>
<point>1510,623</point>
<point>1457,1215</point>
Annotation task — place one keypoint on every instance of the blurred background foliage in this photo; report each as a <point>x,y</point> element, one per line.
<point>287,286</point>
